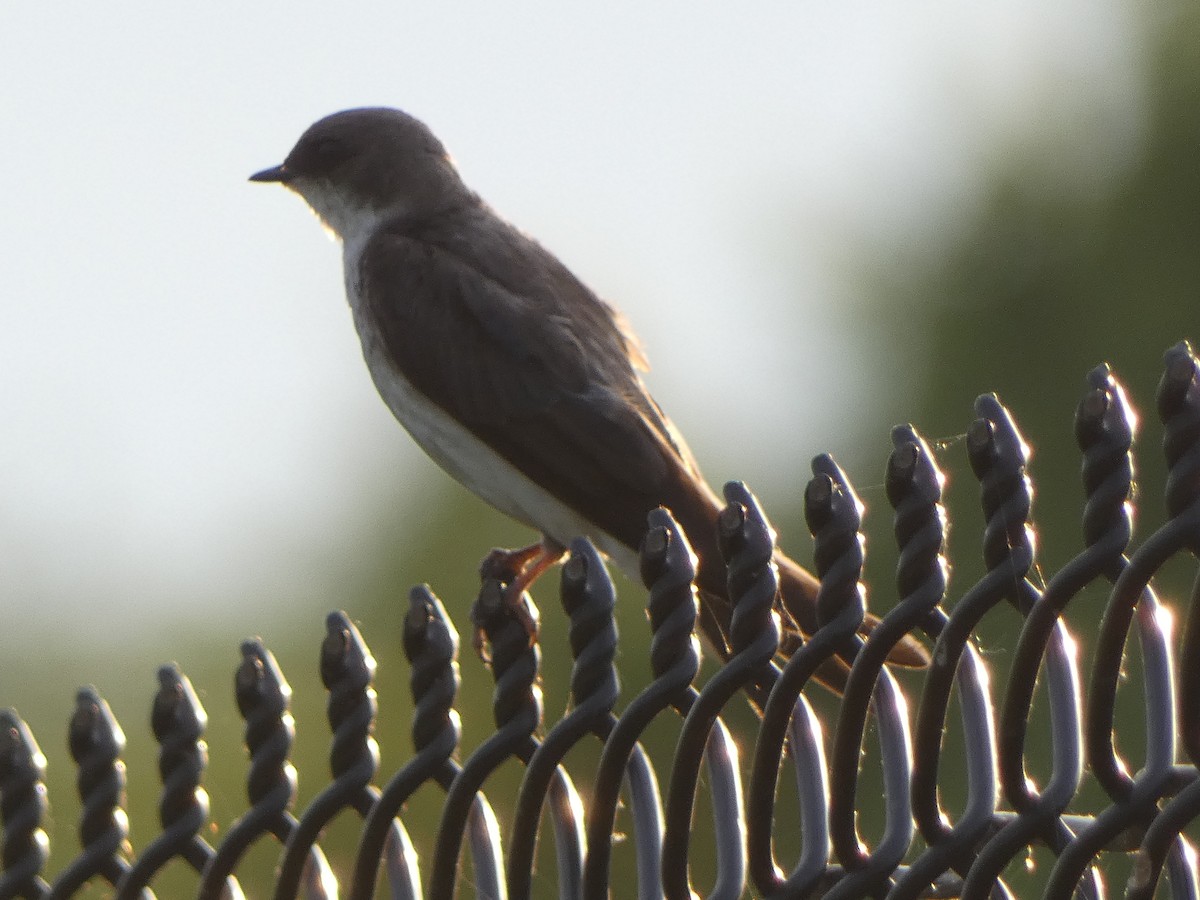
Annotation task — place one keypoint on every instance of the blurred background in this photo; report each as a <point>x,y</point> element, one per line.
<point>822,220</point>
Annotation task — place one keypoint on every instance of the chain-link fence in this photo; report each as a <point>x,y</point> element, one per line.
<point>923,850</point>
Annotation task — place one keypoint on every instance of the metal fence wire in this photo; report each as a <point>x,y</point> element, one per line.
<point>923,850</point>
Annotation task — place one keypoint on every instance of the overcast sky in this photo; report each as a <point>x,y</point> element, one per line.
<point>185,410</point>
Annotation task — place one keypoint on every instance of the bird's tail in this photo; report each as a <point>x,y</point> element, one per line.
<point>797,606</point>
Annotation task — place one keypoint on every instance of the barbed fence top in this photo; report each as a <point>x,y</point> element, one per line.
<point>1136,812</point>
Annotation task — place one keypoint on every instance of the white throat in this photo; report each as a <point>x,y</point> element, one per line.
<point>344,216</point>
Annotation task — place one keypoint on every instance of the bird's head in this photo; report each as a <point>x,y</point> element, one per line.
<point>359,165</point>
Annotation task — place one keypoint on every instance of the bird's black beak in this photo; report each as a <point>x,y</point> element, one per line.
<point>276,174</point>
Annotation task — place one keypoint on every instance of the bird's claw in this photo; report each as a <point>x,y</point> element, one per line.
<point>511,572</point>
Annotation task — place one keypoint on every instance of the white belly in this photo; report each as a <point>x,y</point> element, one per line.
<point>469,460</point>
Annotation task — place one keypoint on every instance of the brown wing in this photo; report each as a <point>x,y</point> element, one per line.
<point>494,330</point>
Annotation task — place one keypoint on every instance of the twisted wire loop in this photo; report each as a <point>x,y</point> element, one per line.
<point>1179,408</point>
<point>23,807</point>
<point>834,516</point>
<point>668,569</point>
<point>747,543</point>
<point>96,742</point>
<point>516,709</point>
<point>998,457</point>
<point>264,699</point>
<point>178,721</point>
<point>1135,800</point>
<point>589,598</point>
<point>431,647</point>
<point>348,673</point>
<point>1104,426</point>
<point>1104,430</point>
<point>914,487</point>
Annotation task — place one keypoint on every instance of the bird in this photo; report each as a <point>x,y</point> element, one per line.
<point>509,371</point>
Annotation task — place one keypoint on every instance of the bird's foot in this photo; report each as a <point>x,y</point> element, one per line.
<point>517,570</point>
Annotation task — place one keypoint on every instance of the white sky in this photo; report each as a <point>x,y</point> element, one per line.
<point>185,411</point>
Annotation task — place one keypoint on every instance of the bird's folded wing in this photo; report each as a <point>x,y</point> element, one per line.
<point>549,388</point>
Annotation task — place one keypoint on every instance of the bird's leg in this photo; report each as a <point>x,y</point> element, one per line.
<point>518,570</point>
